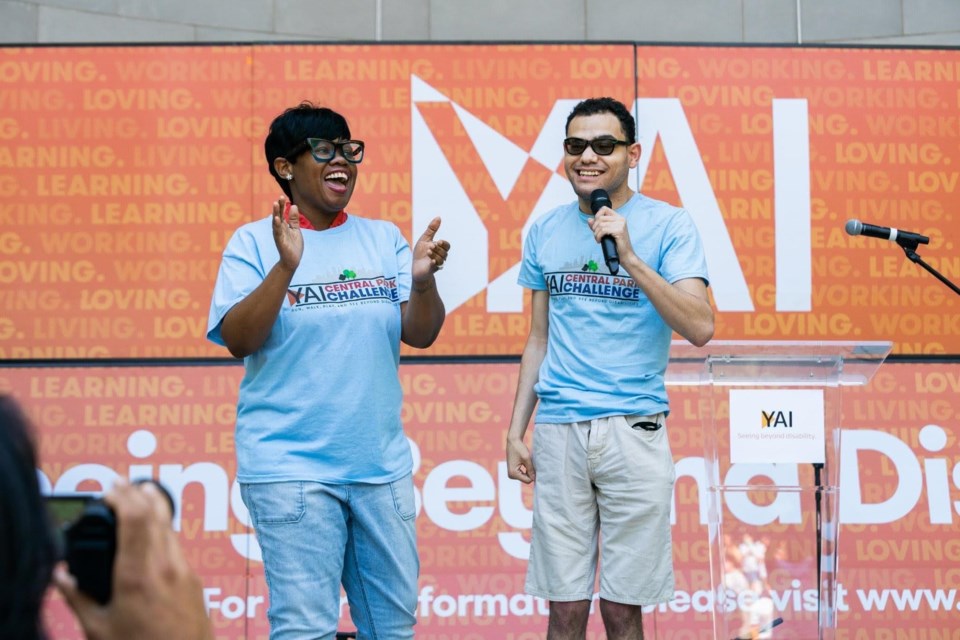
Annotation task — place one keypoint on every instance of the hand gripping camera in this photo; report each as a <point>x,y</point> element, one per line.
<point>87,539</point>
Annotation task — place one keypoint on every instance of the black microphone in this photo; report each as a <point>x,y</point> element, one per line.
<point>857,228</point>
<point>599,199</point>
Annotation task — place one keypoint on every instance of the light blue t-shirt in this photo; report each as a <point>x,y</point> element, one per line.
<point>607,348</point>
<point>321,399</point>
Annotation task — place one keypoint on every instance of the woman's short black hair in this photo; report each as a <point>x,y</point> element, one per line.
<point>594,106</point>
<point>27,550</point>
<point>290,130</point>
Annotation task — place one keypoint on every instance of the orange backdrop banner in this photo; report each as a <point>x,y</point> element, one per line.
<point>898,550</point>
<point>788,145</point>
<point>126,169</point>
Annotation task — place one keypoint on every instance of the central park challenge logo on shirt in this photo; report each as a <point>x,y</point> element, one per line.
<point>348,289</point>
<point>592,285</point>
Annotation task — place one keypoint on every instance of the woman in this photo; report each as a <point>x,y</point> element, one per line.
<point>317,301</point>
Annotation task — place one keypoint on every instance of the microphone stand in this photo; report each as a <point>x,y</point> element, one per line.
<point>818,493</point>
<point>910,248</point>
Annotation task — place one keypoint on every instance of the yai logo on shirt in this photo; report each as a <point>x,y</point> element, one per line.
<point>347,289</point>
<point>589,284</point>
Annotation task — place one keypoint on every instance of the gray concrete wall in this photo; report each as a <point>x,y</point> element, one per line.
<point>893,22</point>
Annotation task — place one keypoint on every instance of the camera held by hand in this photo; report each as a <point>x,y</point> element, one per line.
<point>87,539</point>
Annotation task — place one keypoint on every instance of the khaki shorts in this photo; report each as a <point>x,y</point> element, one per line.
<point>611,476</point>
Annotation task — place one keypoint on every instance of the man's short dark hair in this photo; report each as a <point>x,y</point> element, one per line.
<point>594,106</point>
<point>290,129</point>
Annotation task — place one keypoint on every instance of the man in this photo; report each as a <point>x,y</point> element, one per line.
<point>595,359</point>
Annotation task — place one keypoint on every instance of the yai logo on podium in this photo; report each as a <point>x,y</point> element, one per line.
<point>776,425</point>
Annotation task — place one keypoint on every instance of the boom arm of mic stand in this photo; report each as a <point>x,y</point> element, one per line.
<point>910,248</point>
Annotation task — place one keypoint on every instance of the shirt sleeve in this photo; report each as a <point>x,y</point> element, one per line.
<point>531,272</point>
<point>682,251</point>
<point>404,265</point>
<point>240,273</point>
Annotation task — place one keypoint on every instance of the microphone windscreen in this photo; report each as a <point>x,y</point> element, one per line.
<point>854,227</point>
<point>599,199</point>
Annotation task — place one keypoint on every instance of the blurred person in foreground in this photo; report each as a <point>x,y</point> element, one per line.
<point>156,595</point>
<point>317,302</point>
<point>595,361</point>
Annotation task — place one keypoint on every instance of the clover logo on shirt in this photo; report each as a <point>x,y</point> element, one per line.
<point>348,274</point>
<point>590,266</point>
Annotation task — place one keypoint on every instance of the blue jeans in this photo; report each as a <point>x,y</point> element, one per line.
<point>316,536</point>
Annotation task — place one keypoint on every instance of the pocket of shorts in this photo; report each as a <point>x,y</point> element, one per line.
<point>403,499</point>
<point>275,502</point>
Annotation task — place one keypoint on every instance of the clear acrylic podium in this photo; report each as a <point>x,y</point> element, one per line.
<point>773,523</point>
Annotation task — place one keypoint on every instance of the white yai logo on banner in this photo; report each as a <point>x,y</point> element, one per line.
<point>436,190</point>
<point>776,425</point>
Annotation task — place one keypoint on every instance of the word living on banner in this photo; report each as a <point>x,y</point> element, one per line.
<point>436,187</point>
<point>489,492</point>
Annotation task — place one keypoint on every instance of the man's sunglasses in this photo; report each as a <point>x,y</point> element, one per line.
<point>600,146</point>
<point>325,150</point>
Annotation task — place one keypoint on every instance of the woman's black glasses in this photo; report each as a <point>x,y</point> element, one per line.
<point>324,150</point>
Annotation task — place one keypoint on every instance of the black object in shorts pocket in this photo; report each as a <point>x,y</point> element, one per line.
<point>646,425</point>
